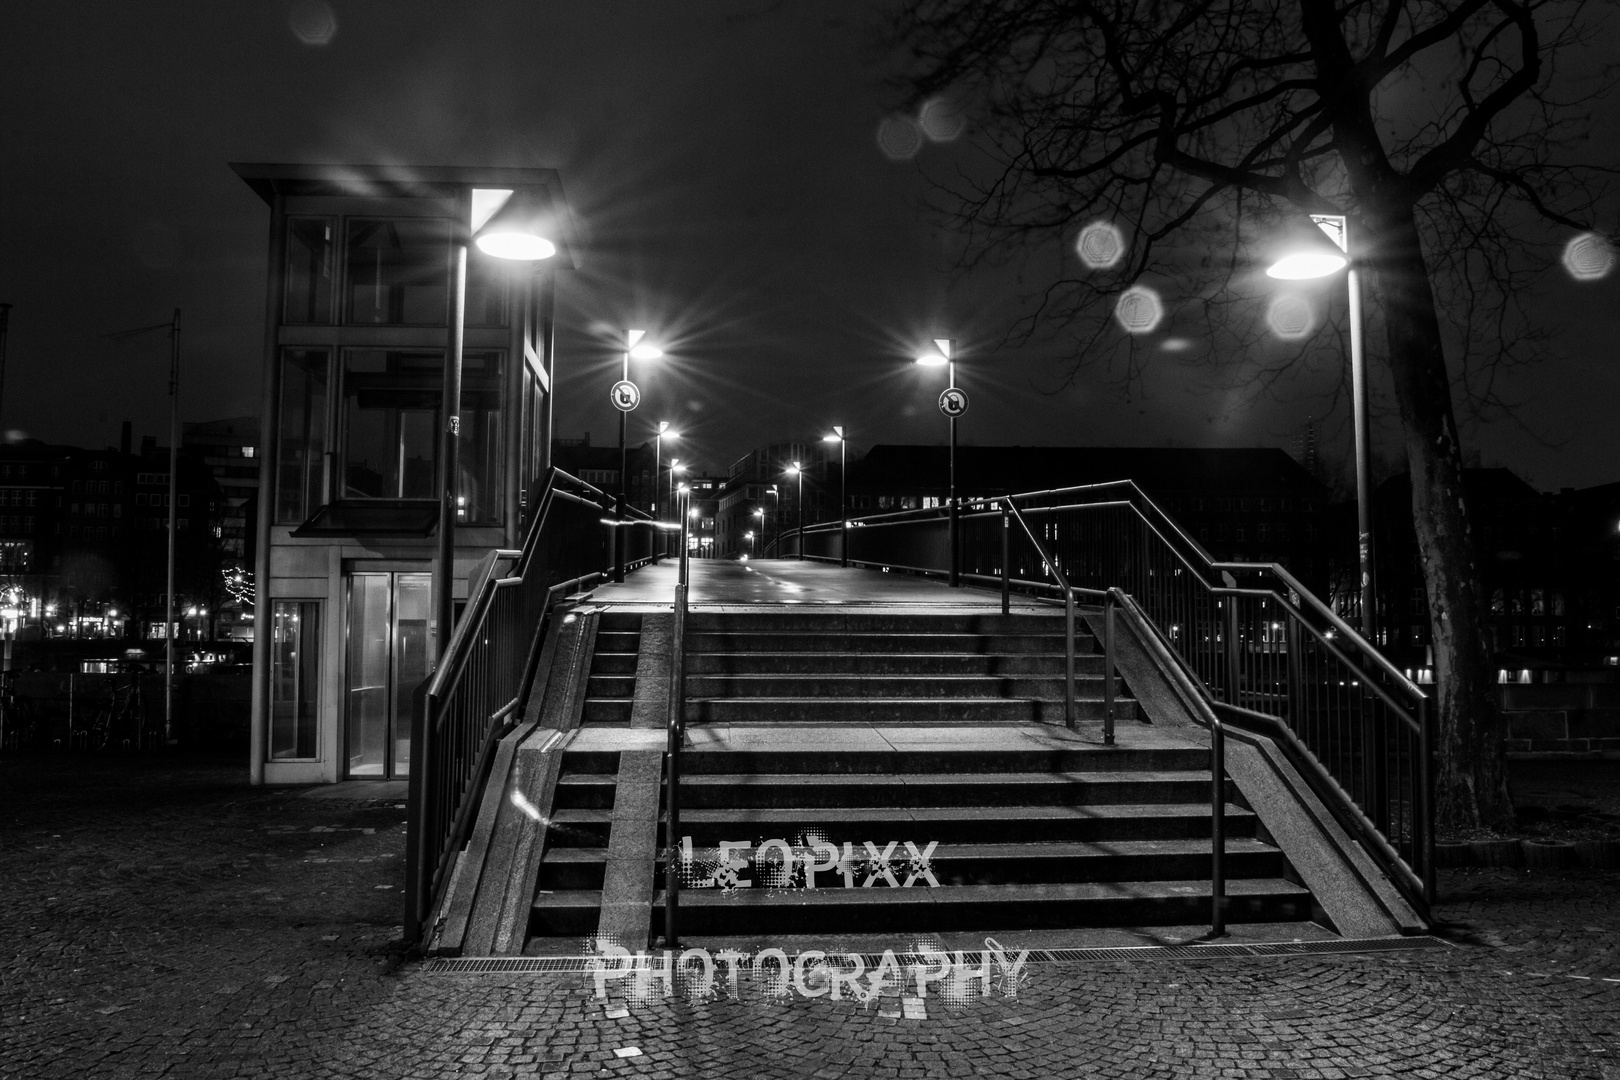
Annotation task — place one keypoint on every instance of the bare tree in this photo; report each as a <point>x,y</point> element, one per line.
<point>1435,126</point>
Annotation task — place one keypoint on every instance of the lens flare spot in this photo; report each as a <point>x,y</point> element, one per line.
<point>899,138</point>
<point>1101,245</point>
<point>1291,317</point>
<point>1139,310</point>
<point>1589,257</point>
<point>1175,344</point>
<point>940,120</point>
<point>313,22</point>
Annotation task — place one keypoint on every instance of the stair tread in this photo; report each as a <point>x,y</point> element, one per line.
<point>1066,892</point>
<point>810,780</point>
<point>947,853</point>
<point>568,898</point>
<point>831,815</point>
<point>1119,699</point>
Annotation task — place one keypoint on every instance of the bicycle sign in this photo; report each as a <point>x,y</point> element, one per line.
<point>625,395</point>
<point>953,402</point>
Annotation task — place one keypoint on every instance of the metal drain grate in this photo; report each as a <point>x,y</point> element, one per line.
<point>518,965</point>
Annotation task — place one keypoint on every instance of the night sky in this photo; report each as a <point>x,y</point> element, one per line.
<point>723,164</point>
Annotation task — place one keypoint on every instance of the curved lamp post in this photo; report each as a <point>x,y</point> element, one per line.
<point>944,354</point>
<point>1316,253</point>
<point>518,229</point>
<point>840,437</point>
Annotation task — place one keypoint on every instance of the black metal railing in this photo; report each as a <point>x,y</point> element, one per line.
<point>1268,653</point>
<point>676,734</point>
<point>477,692</point>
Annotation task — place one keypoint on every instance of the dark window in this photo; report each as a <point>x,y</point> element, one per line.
<point>398,271</point>
<point>302,446</point>
<point>310,265</point>
<point>391,429</point>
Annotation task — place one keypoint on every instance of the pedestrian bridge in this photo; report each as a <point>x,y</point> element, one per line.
<point>1098,726</point>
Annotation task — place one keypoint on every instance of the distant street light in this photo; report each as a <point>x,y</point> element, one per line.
<point>838,436</point>
<point>797,470</point>
<point>764,537</point>
<point>749,536</point>
<point>1314,253</point>
<point>675,466</point>
<point>776,512</point>
<point>953,403</point>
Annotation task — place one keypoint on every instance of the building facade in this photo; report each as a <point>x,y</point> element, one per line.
<point>357,330</point>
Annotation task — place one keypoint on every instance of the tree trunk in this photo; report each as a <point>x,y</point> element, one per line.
<point>1471,775</point>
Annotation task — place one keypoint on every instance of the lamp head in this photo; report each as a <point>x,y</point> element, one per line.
<point>1311,251</point>
<point>663,426</point>
<point>943,348</point>
<point>520,229</point>
<point>642,350</point>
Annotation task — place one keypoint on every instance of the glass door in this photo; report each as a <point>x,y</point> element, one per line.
<point>390,652</point>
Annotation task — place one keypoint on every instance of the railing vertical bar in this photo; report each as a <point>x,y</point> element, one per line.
<point>1108,668</point>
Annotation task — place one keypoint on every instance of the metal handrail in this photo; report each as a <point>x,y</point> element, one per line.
<point>1251,634</point>
<point>676,736</point>
<point>1068,618</point>
<point>1202,707</point>
<point>482,680</point>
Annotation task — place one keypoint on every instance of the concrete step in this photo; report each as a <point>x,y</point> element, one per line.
<point>827,662</point>
<point>620,641</point>
<point>968,824</point>
<point>607,663</point>
<point>820,790</point>
<point>881,710</point>
<point>572,868</point>
<point>902,765</point>
<point>565,911</point>
<point>611,686</point>
<point>619,621</point>
<point>888,686</point>
<point>955,865</point>
<point>905,641</point>
<point>840,622</point>
<point>980,907</point>
<point>606,710</point>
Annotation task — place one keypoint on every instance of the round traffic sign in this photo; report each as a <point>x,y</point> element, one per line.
<point>625,395</point>
<point>953,402</point>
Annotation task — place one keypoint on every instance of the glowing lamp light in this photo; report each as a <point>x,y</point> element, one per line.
<point>643,350</point>
<point>518,230</point>
<point>1311,251</point>
<point>940,355</point>
<point>1304,265</point>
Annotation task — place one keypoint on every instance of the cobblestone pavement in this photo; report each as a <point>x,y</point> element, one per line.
<point>162,918</point>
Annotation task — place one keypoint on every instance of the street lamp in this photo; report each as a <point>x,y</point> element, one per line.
<point>1316,253</point>
<point>658,450</point>
<point>515,225</point>
<point>952,403</point>
<point>749,536</point>
<point>626,397</point>
<point>675,466</point>
<point>838,435</point>
<point>776,512</point>
<point>764,537</point>
<point>796,470</point>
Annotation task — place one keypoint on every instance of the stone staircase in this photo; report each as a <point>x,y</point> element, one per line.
<point>611,687</point>
<point>1083,835</point>
<point>816,668</point>
<point>1100,836</point>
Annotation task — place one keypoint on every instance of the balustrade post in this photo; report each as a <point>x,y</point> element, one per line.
<point>1006,562</point>
<point>1234,660</point>
<point>1068,657</point>
<point>1108,668</point>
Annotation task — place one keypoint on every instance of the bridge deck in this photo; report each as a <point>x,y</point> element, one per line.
<point>770,582</point>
